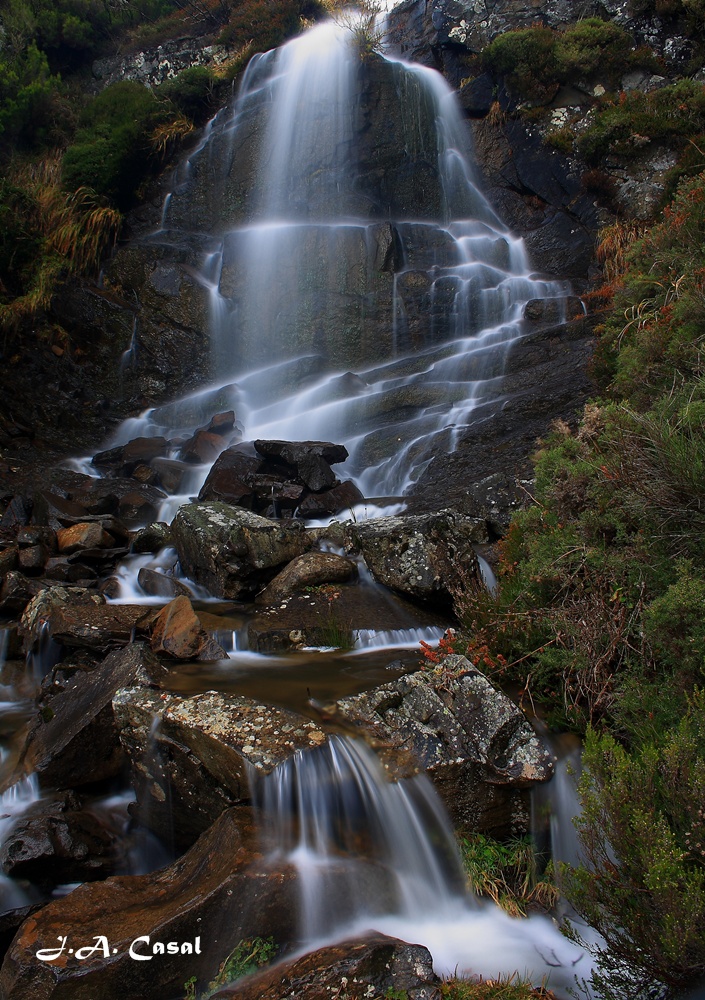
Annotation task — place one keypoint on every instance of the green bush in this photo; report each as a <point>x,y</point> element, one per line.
<point>534,61</point>
<point>674,624</point>
<point>594,48</point>
<point>26,91</point>
<point>112,153</point>
<point>528,61</point>
<point>642,882</point>
<point>670,115</point>
<point>192,91</point>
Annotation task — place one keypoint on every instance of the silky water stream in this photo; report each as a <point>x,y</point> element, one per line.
<point>362,290</point>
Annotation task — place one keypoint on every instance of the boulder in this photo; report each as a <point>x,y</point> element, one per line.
<point>152,538</point>
<point>178,633</point>
<point>296,452</point>
<point>374,966</point>
<point>204,446</point>
<point>78,617</point>
<point>342,496</point>
<point>229,477</point>
<point>232,551</point>
<point>87,535</point>
<point>472,741</point>
<point>307,570</point>
<point>424,556</point>
<point>125,498</point>
<point>206,901</point>
<point>57,841</point>
<point>160,585</point>
<point>74,741</point>
<point>125,458</point>
<point>170,473</point>
<point>193,757</point>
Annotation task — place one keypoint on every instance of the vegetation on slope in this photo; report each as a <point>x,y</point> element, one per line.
<point>73,161</point>
<point>601,609</point>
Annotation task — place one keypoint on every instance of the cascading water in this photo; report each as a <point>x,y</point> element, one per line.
<point>363,291</point>
<point>378,855</point>
<point>362,288</point>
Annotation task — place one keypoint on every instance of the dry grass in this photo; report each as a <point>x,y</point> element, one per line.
<point>614,242</point>
<point>75,229</point>
<point>510,987</point>
<point>170,133</point>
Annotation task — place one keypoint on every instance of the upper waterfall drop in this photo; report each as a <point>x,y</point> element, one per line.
<point>362,289</point>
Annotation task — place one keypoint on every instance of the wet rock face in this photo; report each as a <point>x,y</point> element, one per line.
<point>472,741</point>
<point>422,556</point>
<point>75,742</point>
<point>232,551</point>
<point>374,966</point>
<point>489,474</point>
<point>210,898</point>
<point>56,842</point>
<point>191,757</point>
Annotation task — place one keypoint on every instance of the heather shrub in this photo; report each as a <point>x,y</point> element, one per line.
<point>527,60</point>
<point>626,127</point>
<point>642,880</point>
<point>534,61</point>
<point>655,333</point>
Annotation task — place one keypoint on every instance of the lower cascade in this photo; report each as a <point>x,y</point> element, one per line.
<point>375,854</point>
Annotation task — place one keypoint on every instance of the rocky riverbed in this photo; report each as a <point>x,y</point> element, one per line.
<point>98,702</point>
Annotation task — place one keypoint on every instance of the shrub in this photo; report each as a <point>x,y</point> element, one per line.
<point>674,624</point>
<point>534,61</point>
<point>26,91</point>
<point>669,115</point>
<point>642,883</point>
<point>192,91</point>
<point>112,149</point>
<point>593,48</point>
<point>527,60</point>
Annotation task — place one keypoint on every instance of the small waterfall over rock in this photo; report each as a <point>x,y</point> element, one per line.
<point>374,854</point>
<point>360,287</point>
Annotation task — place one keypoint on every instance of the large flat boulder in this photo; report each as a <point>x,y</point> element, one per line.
<point>192,757</point>
<point>232,551</point>
<point>76,617</point>
<point>472,741</point>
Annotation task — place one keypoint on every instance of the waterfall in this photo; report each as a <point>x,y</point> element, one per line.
<point>374,854</point>
<point>361,287</point>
